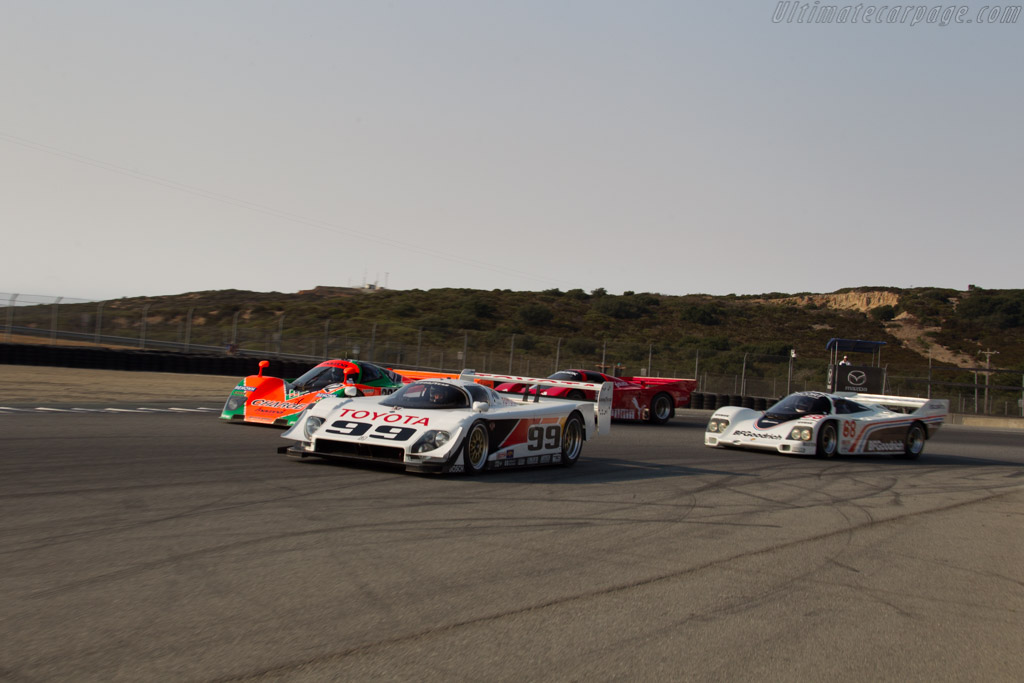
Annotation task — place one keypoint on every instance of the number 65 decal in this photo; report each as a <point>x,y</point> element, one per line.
<point>849,428</point>
<point>390,432</point>
<point>544,437</point>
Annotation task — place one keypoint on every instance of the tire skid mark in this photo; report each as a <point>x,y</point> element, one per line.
<point>198,511</point>
<point>587,595</point>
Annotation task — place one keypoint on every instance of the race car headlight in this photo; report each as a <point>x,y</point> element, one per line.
<point>312,424</point>
<point>234,402</point>
<point>800,434</point>
<point>431,441</point>
<point>717,425</point>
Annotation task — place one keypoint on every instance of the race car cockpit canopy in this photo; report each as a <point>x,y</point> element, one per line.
<point>325,374</point>
<point>428,394</point>
<point>794,407</point>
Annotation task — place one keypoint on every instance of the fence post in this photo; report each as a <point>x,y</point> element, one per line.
<point>142,326</point>
<point>929,372</point>
<point>188,329</point>
<point>511,353</point>
<point>53,320</point>
<point>99,321</point>
<point>743,380</point>
<point>280,334</point>
<point>234,329</point>
<point>373,340</point>
<point>789,380</point>
<point>975,392</point>
<point>10,317</point>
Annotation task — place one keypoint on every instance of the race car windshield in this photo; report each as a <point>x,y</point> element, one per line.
<point>567,375</point>
<point>320,377</point>
<point>801,404</point>
<point>429,395</point>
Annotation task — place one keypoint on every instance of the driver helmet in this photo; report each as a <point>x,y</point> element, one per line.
<point>437,393</point>
<point>804,404</point>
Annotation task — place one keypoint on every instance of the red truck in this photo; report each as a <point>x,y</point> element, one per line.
<point>651,399</point>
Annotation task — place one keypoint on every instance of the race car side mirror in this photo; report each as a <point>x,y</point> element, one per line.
<point>481,406</point>
<point>351,391</point>
<point>263,364</point>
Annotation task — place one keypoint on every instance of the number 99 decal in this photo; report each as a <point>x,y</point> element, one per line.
<point>390,432</point>
<point>544,437</point>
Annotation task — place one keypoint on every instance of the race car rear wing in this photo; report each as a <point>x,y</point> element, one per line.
<point>928,405</point>
<point>602,407</point>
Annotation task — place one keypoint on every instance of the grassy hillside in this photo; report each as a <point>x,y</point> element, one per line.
<point>676,334</point>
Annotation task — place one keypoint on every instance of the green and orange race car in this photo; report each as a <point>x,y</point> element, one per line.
<point>261,399</point>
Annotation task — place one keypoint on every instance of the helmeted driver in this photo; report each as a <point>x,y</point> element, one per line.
<point>804,404</point>
<point>437,394</point>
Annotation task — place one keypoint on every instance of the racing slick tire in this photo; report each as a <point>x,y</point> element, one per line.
<point>828,440</point>
<point>913,443</point>
<point>661,409</point>
<point>575,395</point>
<point>474,449</point>
<point>572,440</point>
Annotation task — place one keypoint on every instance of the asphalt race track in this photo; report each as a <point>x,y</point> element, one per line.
<point>170,546</point>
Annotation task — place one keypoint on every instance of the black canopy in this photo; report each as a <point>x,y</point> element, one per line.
<point>836,346</point>
<point>855,345</point>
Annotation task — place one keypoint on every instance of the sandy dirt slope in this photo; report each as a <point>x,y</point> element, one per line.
<point>26,384</point>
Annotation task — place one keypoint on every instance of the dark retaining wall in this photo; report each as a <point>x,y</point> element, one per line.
<point>144,361</point>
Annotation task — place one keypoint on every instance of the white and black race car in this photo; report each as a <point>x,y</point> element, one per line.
<point>826,425</point>
<point>454,425</point>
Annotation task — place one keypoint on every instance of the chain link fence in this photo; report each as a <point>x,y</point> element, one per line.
<point>264,333</point>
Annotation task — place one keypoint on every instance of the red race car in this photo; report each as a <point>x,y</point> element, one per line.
<point>653,399</point>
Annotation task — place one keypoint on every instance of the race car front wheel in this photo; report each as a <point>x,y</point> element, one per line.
<point>572,440</point>
<point>913,444</point>
<point>828,440</point>
<point>474,449</point>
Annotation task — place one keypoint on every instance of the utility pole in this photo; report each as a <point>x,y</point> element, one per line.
<point>988,362</point>
<point>789,381</point>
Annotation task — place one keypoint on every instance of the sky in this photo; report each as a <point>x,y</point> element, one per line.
<point>156,148</point>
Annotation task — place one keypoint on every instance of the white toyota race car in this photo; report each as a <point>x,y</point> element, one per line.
<point>826,425</point>
<point>454,425</point>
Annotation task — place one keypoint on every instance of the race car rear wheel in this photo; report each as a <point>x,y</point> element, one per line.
<point>661,409</point>
<point>913,444</point>
<point>572,440</point>
<point>474,449</point>
<point>828,440</point>
<point>575,395</point>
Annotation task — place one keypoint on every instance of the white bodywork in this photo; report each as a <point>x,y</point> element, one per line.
<point>863,423</point>
<point>519,432</point>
